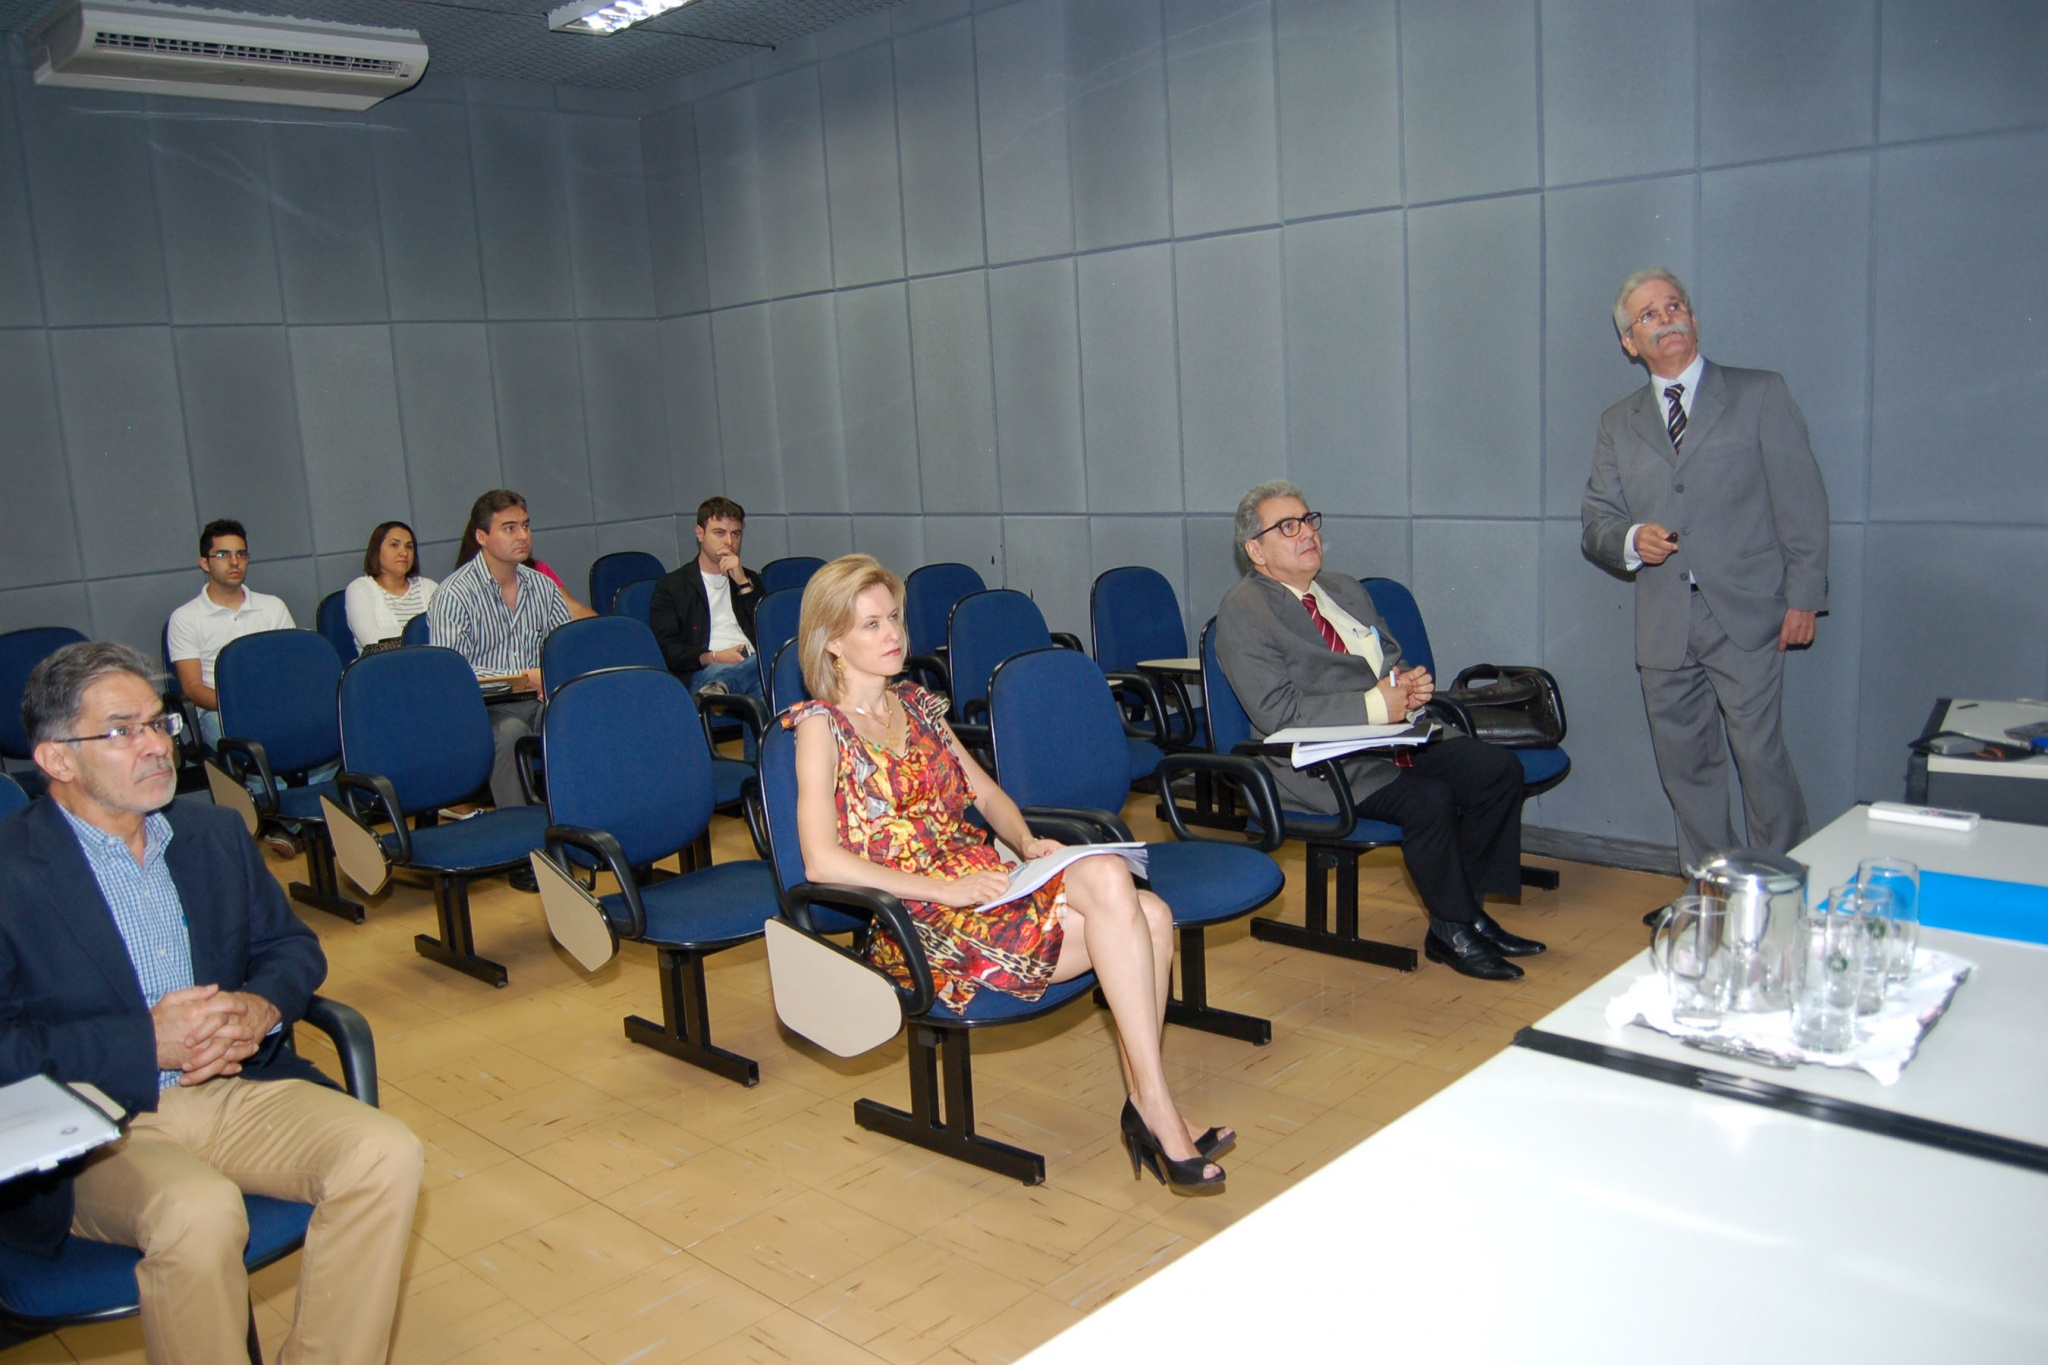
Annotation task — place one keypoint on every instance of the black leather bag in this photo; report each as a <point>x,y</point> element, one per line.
<point>1506,704</point>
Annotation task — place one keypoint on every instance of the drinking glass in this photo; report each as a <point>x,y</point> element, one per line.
<point>1902,879</point>
<point>1693,949</point>
<point>1872,906</point>
<point>1832,947</point>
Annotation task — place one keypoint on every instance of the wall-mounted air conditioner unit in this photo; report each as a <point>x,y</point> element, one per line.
<point>221,55</point>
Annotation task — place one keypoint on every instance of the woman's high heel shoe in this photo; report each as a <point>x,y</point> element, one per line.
<point>1182,1177</point>
<point>1208,1144</point>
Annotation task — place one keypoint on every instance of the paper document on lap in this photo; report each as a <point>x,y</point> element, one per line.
<point>1026,878</point>
<point>1314,743</point>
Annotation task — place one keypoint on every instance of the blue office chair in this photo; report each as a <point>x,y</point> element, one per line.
<point>20,652</point>
<point>12,797</point>
<point>1542,768</point>
<point>791,572</point>
<point>622,798</point>
<point>1134,615</point>
<point>1060,755</point>
<point>636,600</point>
<point>928,597</point>
<point>415,738</point>
<point>1333,843</point>
<point>417,631</point>
<point>95,1281</point>
<point>277,716</point>
<point>941,1113</point>
<point>775,622</point>
<point>331,620</point>
<point>786,686</point>
<point>614,571</point>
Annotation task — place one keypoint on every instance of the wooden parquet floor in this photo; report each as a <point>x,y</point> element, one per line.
<point>590,1200</point>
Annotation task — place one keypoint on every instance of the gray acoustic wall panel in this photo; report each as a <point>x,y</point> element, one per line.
<point>623,421</point>
<point>611,267</point>
<point>117,394</point>
<point>1222,115</point>
<point>1347,362</point>
<point>348,427</point>
<point>324,206</point>
<point>427,211</point>
<point>1213,565</point>
<point>939,146</point>
<point>54,603</point>
<point>1823,682</point>
<point>805,343</point>
<point>896,541</point>
<point>675,210</point>
<point>21,292</point>
<point>1035,339</point>
<point>1599,123</point>
<point>690,402</point>
<point>1150,542</point>
<point>1130,388</point>
<point>1233,407</point>
<point>1339,87</point>
<point>1478,584</point>
<point>824,536</point>
<point>797,244</point>
<point>877,399</point>
<point>522,213</point>
<point>661,537</point>
<point>956,421</point>
<point>537,382</point>
<point>1962,68</point>
<point>448,413</point>
<point>1462,135</point>
<point>857,94</point>
<point>1371,547</point>
<point>744,362</point>
<point>1048,558</point>
<point>967,540</point>
<point>1783,80</point>
<point>36,523</point>
<point>242,434</point>
<point>220,255</point>
<point>1021,78</point>
<point>1116,122</point>
<point>729,164</point>
<point>96,226</point>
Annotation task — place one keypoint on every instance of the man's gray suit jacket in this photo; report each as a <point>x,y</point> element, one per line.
<point>1745,498</point>
<point>1284,674</point>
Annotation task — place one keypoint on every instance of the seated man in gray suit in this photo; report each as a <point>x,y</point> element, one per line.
<point>1705,488</point>
<point>1301,647</point>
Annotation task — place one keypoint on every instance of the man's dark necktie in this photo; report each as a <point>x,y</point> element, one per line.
<point>1675,423</point>
<point>1329,632</point>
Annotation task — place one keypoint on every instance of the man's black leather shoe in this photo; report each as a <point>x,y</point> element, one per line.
<point>1507,944</point>
<point>522,879</point>
<point>1463,949</point>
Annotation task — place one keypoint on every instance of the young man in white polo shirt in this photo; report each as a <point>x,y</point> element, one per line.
<point>224,610</point>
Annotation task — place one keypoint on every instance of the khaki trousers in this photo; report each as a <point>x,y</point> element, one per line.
<point>173,1185</point>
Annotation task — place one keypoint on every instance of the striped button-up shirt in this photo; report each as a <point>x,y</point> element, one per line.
<point>145,905</point>
<point>469,616</point>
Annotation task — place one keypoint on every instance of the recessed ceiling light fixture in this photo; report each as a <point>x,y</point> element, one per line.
<point>606,16</point>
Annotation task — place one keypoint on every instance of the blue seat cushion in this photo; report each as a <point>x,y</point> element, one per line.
<point>303,803</point>
<point>482,843</point>
<point>91,1278</point>
<point>1542,765</point>
<point>1207,883</point>
<point>1145,758</point>
<point>990,1007</point>
<point>728,781</point>
<point>714,908</point>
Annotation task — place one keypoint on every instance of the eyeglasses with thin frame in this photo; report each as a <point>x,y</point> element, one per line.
<point>1650,317</point>
<point>224,556</point>
<point>1290,527</point>
<point>170,725</point>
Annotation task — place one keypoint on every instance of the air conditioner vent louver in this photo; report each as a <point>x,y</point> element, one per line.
<point>150,48</point>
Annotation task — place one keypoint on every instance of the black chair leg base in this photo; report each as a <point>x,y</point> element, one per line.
<point>1539,878</point>
<point>469,964</point>
<point>333,905</point>
<point>972,1148</point>
<point>1336,945</point>
<point>716,1060</point>
<point>1246,1028</point>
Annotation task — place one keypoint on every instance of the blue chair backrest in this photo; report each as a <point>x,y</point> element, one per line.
<point>1135,615</point>
<point>775,622</point>
<point>331,620</point>
<point>418,631</point>
<point>623,755</point>
<point>791,572</point>
<point>987,628</point>
<point>614,571</point>
<point>12,797</point>
<point>416,717</point>
<point>577,647</point>
<point>637,601</point>
<point>778,803</point>
<point>1057,736</point>
<point>928,597</point>
<point>786,685</point>
<point>20,652</point>
<point>1396,606</point>
<point>277,687</point>
<point>1229,725</point>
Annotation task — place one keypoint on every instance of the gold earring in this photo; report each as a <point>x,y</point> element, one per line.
<point>838,667</point>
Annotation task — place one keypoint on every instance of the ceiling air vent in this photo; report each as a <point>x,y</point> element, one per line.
<point>218,54</point>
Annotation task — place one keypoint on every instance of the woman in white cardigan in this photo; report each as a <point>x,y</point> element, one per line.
<point>391,591</point>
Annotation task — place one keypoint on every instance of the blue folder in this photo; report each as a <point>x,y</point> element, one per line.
<point>1978,905</point>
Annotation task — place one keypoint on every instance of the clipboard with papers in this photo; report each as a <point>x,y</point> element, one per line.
<point>1311,744</point>
<point>44,1122</point>
<point>1026,878</point>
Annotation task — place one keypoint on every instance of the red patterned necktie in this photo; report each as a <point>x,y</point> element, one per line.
<point>1329,632</point>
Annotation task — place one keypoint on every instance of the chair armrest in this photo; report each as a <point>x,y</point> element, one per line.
<point>930,671</point>
<point>1149,702</point>
<point>1543,676</point>
<point>1450,712</point>
<point>238,757</point>
<point>1066,639</point>
<point>1252,778</point>
<point>752,806</point>
<point>370,797</point>
<point>751,713</point>
<point>526,758</point>
<point>605,849</point>
<point>1075,825</point>
<point>350,1033</point>
<point>1332,774</point>
<point>879,908</point>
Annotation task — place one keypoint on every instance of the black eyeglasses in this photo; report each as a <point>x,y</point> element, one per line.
<point>170,725</point>
<point>1290,527</point>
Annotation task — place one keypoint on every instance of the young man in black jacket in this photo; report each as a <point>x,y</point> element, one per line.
<point>703,613</point>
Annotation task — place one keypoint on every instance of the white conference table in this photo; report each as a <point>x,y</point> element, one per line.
<point>1543,1209</point>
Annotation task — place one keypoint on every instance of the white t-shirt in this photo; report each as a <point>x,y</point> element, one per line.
<point>725,626</point>
<point>374,614</point>
<point>202,626</point>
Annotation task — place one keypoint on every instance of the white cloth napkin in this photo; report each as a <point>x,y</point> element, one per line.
<point>1885,1041</point>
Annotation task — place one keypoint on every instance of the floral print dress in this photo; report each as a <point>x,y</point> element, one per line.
<point>908,812</point>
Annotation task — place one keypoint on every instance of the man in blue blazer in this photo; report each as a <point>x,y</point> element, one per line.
<point>1704,487</point>
<point>146,949</point>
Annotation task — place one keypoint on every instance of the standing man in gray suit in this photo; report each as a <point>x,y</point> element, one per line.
<point>1704,487</point>
<point>1302,647</point>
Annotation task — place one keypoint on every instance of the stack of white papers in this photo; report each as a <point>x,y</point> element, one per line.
<point>1026,878</point>
<point>1314,743</point>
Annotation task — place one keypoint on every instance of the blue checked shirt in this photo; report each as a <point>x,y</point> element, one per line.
<point>146,908</point>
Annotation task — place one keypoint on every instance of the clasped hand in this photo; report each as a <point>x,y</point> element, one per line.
<point>204,1031</point>
<point>1409,695</point>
